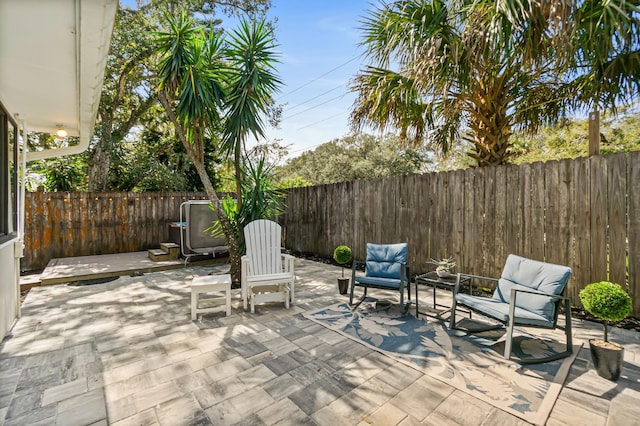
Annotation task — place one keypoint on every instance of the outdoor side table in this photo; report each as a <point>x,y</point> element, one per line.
<point>431,279</point>
<point>207,284</point>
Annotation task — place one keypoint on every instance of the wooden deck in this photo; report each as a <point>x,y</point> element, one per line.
<point>107,265</point>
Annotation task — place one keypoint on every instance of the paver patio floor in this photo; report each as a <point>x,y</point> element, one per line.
<point>127,353</point>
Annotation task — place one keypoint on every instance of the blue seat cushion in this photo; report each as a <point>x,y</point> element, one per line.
<point>378,282</point>
<point>385,260</point>
<point>528,274</point>
<point>499,310</point>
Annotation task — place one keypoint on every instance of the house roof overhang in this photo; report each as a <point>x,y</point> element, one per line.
<point>52,60</point>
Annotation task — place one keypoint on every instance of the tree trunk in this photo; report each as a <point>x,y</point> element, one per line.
<point>101,160</point>
<point>490,128</point>
<point>234,254</point>
<point>236,165</point>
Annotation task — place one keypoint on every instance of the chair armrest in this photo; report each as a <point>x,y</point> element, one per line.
<point>405,273</point>
<point>471,278</point>
<point>288,262</point>
<point>514,291</point>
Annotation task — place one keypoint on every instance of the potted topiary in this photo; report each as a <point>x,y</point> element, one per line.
<point>609,302</point>
<point>342,255</point>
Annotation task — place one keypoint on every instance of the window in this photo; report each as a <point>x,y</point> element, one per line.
<point>8,175</point>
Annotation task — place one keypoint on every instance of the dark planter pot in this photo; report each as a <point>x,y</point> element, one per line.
<point>343,285</point>
<point>607,360</point>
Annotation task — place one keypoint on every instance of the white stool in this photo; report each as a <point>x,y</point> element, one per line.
<point>206,284</point>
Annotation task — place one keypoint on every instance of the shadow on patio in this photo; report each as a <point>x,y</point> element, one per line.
<point>126,352</point>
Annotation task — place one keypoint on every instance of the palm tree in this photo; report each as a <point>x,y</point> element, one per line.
<point>251,83</point>
<point>198,83</point>
<point>190,83</point>
<point>475,69</point>
<point>605,67</point>
<point>466,69</point>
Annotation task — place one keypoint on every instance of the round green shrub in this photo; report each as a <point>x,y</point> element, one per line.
<point>606,300</point>
<point>342,254</point>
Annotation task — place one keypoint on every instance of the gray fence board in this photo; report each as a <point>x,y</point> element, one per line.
<point>584,213</point>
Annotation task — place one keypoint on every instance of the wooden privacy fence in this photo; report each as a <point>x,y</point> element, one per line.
<point>583,213</point>
<point>64,224</point>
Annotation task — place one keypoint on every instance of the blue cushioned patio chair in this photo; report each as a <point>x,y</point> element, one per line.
<point>528,294</point>
<point>385,268</point>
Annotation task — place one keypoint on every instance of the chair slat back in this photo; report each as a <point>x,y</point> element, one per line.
<point>262,239</point>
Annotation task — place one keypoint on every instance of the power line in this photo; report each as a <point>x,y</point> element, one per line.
<point>306,148</point>
<point>322,121</point>
<point>315,97</point>
<point>315,106</point>
<point>319,77</point>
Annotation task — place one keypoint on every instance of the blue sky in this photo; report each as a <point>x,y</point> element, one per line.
<point>318,41</point>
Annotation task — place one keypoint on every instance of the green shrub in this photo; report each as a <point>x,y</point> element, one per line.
<point>607,301</point>
<point>342,254</point>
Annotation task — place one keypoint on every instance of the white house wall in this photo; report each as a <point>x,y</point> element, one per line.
<point>8,287</point>
<point>52,61</point>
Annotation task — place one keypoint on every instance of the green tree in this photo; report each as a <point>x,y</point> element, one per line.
<point>156,160</point>
<point>55,174</point>
<point>197,82</point>
<point>354,157</point>
<point>65,174</point>
<point>252,80</point>
<point>619,133</point>
<point>262,200</point>
<point>605,48</point>
<point>128,92</point>
<point>606,54</point>
<point>481,70</point>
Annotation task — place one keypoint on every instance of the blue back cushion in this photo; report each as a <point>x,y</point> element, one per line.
<point>383,260</point>
<point>523,273</point>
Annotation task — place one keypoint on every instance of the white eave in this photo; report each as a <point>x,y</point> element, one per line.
<point>52,59</point>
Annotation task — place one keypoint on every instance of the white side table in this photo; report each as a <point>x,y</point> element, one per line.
<point>207,284</point>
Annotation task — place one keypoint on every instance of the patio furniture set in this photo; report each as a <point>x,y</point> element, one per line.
<point>267,273</point>
<point>528,293</point>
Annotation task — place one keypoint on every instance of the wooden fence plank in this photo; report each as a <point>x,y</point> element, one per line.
<point>598,209</point>
<point>479,265</point>
<point>470,249</point>
<point>500,233</point>
<point>421,225</point>
<point>441,226</point>
<point>433,218</point>
<point>514,227</point>
<point>633,218</point>
<point>582,224</point>
<point>565,214</point>
<point>456,232</point>
<point>616,217</point>
<point>489,231</point>
<point>537,214</point>
<point>584,213</point>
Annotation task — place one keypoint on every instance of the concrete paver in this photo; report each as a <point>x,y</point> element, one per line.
<point>127,353</point>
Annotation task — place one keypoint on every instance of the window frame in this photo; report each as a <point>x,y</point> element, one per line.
<point>8,177</point>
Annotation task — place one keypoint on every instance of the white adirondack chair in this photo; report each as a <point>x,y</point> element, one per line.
<point>267,274</point>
